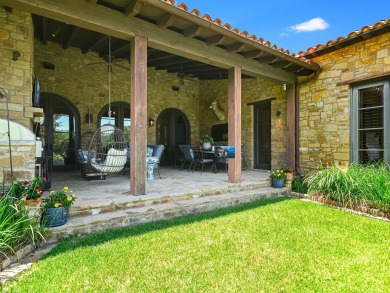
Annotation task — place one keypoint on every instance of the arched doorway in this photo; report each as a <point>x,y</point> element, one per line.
<point>61,131</point>
<point>172,130</point>
<point>120,117</point>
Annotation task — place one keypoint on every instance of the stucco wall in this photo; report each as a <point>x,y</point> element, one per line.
<point>324,124</point>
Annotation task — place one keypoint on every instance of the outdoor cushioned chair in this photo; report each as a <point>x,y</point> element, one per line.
<point>107,152</point>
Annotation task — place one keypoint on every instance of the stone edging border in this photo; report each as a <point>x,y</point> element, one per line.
<point>21,253</point>
<point>360,210</point>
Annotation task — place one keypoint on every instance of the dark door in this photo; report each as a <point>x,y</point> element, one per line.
<point>172,130</point>
<point>60,136</point>
<point>262,133</point>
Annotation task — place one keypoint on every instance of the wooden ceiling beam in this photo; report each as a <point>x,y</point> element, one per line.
<point>267,59</point>
<point>206,70</point>
<point>192,31</point>
<point>237,47</point>
<point>159,56</point>
<point>44,30</point>
<point>215,40</point>
<point>172,60</point>
<point>220,75</point>
<point>133,8</point>
<point>253,54</point>
<point>111,22</point>
<point>189,64</point>
<point>74,30</point>
<point>121,49</point>
<point>95,44</point>
<point>281,64</point>
<point>166,21</point>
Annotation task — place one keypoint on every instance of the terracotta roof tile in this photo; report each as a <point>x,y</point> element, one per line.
<point>183,6</point>
<point>228,27</point>
<point>195,12</point>
<point>329,44</point>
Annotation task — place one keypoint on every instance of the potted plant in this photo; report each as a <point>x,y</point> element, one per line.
<point>29,194</point>
<point>206,141</point>
<point>289,170</point>
<point>278,177</point>
<point>56,207</point>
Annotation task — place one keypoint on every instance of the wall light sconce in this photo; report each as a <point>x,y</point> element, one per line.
<point>56,32</point>
<point>151,121</point>
<point>15,55</point>
<point>278,113</point>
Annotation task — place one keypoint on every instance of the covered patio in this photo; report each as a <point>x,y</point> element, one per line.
<point>107,204</point>
<point>158,41</point>
<point>173,183</point>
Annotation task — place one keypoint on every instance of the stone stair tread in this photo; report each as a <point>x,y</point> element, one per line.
<point>85,224</point>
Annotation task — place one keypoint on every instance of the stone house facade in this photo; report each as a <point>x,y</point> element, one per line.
<point>81,79</point>
<point>327,133</point>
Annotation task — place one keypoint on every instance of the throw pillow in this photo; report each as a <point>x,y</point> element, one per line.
<point>149,152</point>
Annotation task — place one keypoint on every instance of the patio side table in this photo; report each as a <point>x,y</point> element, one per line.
<point>151,161</point>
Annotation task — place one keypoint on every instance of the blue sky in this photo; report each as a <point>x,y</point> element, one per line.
<point>295,25</point>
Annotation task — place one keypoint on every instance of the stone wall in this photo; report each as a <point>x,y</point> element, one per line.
<point>253,90</point>
<point>16,34</point>
<point>324,124</point>
<point>83,80</point>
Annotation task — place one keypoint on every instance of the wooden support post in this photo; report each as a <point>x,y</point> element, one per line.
<point>138,115</point>
<point>291,127</point>
<point>234,119</point>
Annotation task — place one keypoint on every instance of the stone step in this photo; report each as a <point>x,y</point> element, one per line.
<point>125,200</point>
<point>85,224</point>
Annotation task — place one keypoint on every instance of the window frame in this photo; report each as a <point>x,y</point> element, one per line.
<point>354,132</point>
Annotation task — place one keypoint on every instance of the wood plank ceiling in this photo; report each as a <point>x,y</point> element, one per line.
<point>67,35</point>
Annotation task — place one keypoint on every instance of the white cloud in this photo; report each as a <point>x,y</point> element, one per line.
<point>284,34</point>
<point>311,25</point>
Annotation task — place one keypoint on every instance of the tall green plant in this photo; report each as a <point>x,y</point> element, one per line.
<point>357,184</point>
<point>16,229</point>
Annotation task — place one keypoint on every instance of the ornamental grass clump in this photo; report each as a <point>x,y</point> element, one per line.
<point>16,227</point>
<point>62,198</point>
<point>367,185</point>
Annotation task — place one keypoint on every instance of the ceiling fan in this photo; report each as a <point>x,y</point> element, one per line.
<point>182,76</point>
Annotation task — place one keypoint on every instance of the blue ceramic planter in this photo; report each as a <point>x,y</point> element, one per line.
<point>277,183</point>
<point>55,217</point>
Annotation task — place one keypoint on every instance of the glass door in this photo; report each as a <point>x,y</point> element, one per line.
<point>172,131</point>
<point>262,135</point>
<point>60,135</point>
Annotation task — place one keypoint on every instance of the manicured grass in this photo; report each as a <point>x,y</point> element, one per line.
<point>278,245</point>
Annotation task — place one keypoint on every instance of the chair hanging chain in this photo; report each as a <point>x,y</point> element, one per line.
<point>109,78</point>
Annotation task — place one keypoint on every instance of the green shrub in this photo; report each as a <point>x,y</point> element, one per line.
<point>299,185</point>
<point>358,184</point>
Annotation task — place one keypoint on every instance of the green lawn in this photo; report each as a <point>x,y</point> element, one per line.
<point>278,245</point>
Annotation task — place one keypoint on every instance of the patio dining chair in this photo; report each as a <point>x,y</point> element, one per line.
<point>201,160</point>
